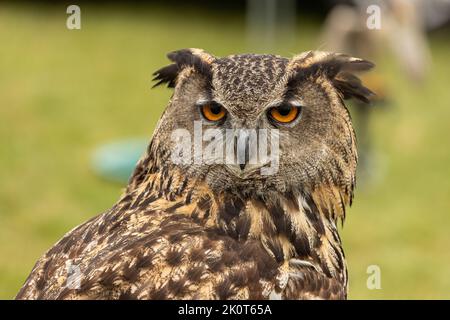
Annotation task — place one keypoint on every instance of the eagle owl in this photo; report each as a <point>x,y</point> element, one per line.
<point>223,230</point>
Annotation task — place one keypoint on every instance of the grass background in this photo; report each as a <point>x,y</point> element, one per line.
<point>63,93</point>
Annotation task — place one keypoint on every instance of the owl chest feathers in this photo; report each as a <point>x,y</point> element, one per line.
<point>296,230</point>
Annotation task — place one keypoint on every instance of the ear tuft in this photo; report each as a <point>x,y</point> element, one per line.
<point>195,58</point>
<point>351,86</point>
<point>167,74</point>
<point>339,68</point>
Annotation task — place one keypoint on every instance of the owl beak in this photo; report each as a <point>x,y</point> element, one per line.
<point>245,158</point>
<point>251,153</point>
<point>242,150</point>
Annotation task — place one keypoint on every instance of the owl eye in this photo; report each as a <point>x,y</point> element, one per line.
<point>284,113</point>
<point>213,111</point>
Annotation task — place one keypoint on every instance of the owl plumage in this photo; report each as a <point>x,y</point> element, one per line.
<point>224,231</point>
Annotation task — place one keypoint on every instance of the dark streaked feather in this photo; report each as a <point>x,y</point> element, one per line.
<point>351,87</point>
<point>167,75</point>
<point>181,58</point>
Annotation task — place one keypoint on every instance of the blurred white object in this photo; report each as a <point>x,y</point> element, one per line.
<point>403,28</point>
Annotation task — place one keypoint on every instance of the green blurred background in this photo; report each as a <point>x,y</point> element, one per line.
<point>63,93</point>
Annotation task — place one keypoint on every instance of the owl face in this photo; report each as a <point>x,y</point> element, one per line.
<point>261,123</point>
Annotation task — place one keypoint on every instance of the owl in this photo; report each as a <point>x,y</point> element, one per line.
<point>238,195</point>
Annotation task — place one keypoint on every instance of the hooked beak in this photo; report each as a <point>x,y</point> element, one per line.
<point>245,153</point>
<point>242,151</point>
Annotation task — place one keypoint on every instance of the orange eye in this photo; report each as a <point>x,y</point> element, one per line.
<point>213,111</point>
<point>284,113</point>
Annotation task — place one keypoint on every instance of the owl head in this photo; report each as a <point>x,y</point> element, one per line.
<point>255,124</point>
